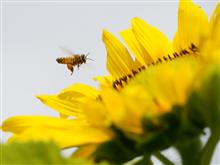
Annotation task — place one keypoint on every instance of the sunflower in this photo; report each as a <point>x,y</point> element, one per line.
<point>154,74</point>
<point>160,76</point>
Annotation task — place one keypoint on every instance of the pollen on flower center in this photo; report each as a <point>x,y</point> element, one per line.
<point>122,81</point>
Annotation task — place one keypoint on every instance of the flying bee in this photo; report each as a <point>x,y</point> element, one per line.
<point>73,60</point>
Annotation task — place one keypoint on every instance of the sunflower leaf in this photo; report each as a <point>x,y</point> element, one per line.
<point>34,153</point>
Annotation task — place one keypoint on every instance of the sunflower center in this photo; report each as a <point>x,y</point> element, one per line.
<point>122,81</point>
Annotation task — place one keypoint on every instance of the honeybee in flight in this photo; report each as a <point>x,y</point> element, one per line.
<point>73,60</point>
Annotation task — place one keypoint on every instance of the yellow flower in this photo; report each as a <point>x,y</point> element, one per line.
<point>170,72</point>
<point>161,74</point>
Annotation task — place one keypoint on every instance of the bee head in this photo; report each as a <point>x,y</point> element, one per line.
<point>83,57</point>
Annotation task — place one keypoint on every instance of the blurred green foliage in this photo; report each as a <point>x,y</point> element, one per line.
<point>35,153</point>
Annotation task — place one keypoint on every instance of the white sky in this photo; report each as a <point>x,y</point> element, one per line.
<point>34,31</point>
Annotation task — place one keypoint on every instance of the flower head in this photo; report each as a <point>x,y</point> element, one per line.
<point>147,87</point>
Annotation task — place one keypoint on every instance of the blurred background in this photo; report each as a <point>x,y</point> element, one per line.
<point>33,32</point>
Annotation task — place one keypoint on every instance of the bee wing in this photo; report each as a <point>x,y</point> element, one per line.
<point>66,50</point>
<point>70,67</point>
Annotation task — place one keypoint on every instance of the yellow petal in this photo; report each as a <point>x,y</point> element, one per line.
<point>210,45</point>
<point>96,113</point>
<point>70,99</point>
<point>110,98</point>
<point>85,151</point>
<point>137,64</point>
<point>136,48</point>
<point>118,113</point>
<point>192,25</point>
<point>17,124</point>
<point>119,61</point>
<point>215,26</point>
<point>64,106</point>
<point>81,89</point>
<point>137,102</point>
<point>153,41</point>
<point>64,132</point>
<point>105,81</point>
<point>64,138</point>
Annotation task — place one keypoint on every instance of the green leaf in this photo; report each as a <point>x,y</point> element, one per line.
<point>35,153</point>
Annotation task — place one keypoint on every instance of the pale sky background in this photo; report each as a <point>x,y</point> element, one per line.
<point>34,31</point>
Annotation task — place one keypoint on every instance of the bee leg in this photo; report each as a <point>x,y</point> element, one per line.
<point>78,66</point>
<point>70,67</point>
